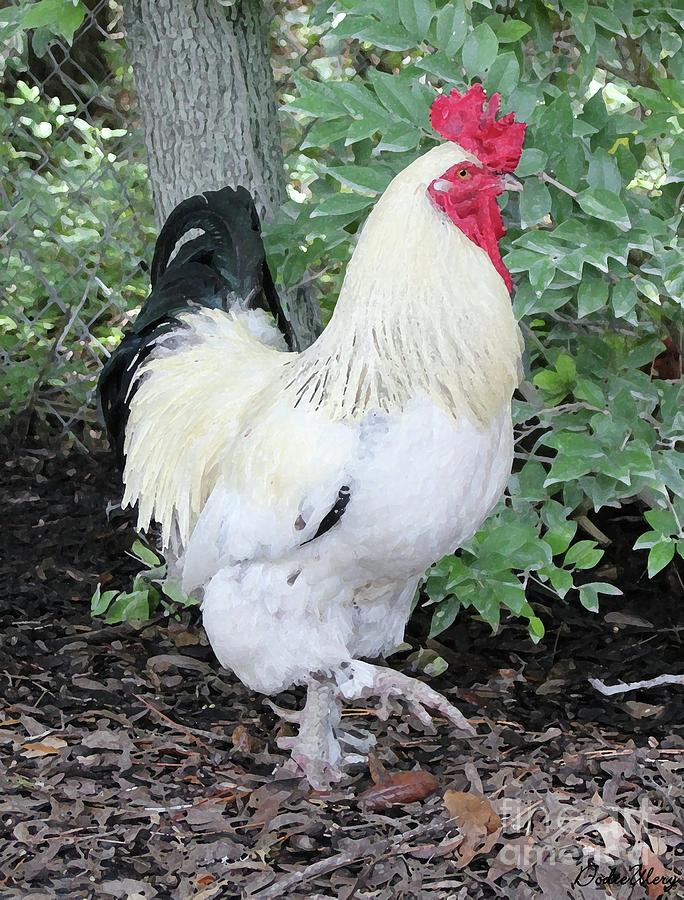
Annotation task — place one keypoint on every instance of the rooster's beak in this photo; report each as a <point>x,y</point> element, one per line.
<point>510,183</point>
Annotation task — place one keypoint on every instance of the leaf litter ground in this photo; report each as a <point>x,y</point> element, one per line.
<point>132,766</point>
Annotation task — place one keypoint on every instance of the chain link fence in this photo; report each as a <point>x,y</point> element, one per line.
<point>75,215</point>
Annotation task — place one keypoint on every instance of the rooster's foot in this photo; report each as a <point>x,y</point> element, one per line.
<point>365,680</point>
<point>316,749</point>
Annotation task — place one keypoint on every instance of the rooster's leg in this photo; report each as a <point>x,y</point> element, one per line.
<point>360,680</point>
<point>316,749</point>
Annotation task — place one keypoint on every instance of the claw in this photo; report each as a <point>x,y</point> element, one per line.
<point>320,773</point>
<point>287,715</point>
<point>389,685</point>
<point>422,715</point>
<point>317,750</point>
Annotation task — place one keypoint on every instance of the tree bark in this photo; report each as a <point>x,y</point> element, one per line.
<point>205,89</point>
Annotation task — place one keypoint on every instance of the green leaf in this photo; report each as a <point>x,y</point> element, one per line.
<point>561,580</point>
<point>535,202</point>
<point>144,554</point>
<point>398,138</point>
<point>589,597</point>
<point>322,134</point>
<point>61,17</point>
<point>590,392</point>
<point>100,602</point>
<point>507,539</point>
<point>488,607</point>
<point>589,593</point>
<point>128,607</point>
<point>479,50</point>
<point>444,616</point>
<point>173,591</point>
<point>452,27</point>
<point>442,66</point>
<point>397,96</point>
<point>583,555</point>
<point>648,289</point>
<point>359,100</point>
<point>602,204</point>
<point>536,629</point>
<point>604,172</point>
<point>503,74</point>
<point>365,179</point>
<point>510,31</point>
<point>416,16</point>
<point>623,298</point>
<point>318,105</point>
<point>607,19</point>
<point>364,128</point>
<point>561,530</point>
<point>531,162</point>
<point>592,295</point>
<point>555,123</point>
<point>341,204</point>
<point>512,595</point>
<point>660,555</point>
<point>647,540</point>
<point>662,520</point>
<point>389,37</point>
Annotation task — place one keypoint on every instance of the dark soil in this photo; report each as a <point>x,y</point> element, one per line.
<point>132,766</point>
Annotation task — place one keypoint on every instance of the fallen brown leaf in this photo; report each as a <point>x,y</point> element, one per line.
<point>399,787</point>
<point>639,710</point>
<point>376,770</point>
<point>477,820</point>
<point>658,875</point>
<point>241,738</point>
<point>472,811</point>
<point>185,638</point>
<point>46,747</point>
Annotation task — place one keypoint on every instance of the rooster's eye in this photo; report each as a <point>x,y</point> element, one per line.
<point>462,173</point>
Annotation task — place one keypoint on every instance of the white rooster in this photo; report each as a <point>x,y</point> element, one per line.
<point>306,493</point>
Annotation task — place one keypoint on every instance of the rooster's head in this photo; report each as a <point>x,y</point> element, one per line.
<point>467,191</point>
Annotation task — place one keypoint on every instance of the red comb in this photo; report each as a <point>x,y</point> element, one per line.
<point>469,120</point>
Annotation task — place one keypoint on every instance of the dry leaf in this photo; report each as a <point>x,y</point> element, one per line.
<point>400,787</point>
<point>185,638</point>
<point>376,769</point>
<point>654,873</point>
<point>46,747</point>
<point>478,821</point>
<point>472,811</point>
<point>242,740</point>
<point>622,618</point>
<point>639,710</point>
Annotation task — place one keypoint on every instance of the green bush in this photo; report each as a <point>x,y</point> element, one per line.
<point>151,591</point>
<point>76,212</point>
<point>592,243</point>
<point>77,220</point>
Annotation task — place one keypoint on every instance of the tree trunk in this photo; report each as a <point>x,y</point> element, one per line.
<point>205,89</point>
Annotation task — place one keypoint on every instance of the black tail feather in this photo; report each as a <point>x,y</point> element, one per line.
<point>224,264</point>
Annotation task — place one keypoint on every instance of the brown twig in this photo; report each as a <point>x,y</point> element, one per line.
<point>392,846</point>
<point>176,725</point>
